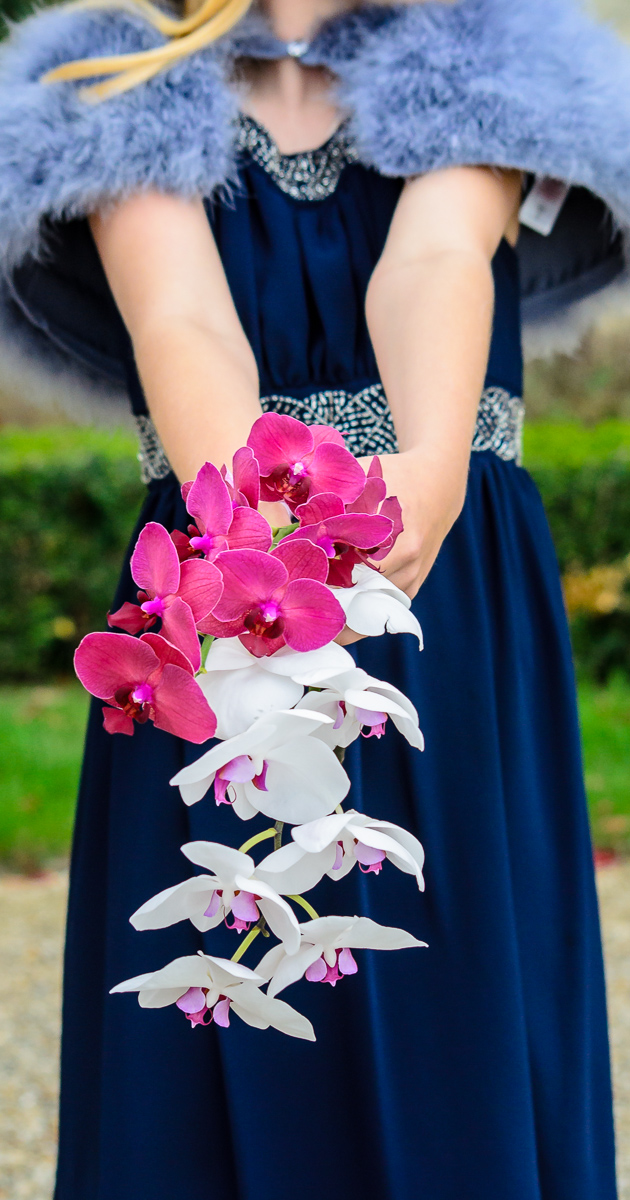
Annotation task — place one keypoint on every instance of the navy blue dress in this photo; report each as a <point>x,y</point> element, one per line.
<point>477,1069</point>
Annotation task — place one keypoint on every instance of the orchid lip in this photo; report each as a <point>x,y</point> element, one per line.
<point>154,608</point>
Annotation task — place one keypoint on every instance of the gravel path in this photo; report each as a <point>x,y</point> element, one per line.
<point>31,921</point>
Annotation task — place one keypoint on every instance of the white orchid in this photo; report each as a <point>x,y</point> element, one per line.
<point>355,701</point>
<point>240,688</point>
<point>207,900</point>
<point>275,767</point>
<point>334,845</point>
<point>325,954</point>
<point>374,605</point>
<point>205,988</point>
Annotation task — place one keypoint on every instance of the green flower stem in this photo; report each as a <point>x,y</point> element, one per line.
<point>253,841</point>
<point>282,531</point>
<point>278,835</point>
<point>306,906</point>
<point>246,943</point>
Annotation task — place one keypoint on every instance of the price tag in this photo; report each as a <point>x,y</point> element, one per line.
<point>541,209</point>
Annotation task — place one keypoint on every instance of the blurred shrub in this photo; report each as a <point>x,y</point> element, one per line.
<point>69,499</point>
<point>68,502</point>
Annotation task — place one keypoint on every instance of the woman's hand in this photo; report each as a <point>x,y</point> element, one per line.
<point>431,501</point>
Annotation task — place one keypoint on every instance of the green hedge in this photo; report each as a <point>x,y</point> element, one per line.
<point>69,499</point>
<point>68,502</point>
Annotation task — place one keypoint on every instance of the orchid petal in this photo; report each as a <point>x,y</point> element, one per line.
<point>106,662</point>
<point>316,836</point>
<point>279,916</point>
<point>262,1011</point>
<point>292,967</point>
<point>222,861</point>
<point>245,743</point>
<point>166,652</point>
<point>246,475</point>
<point>208,501</point>
<point>249,577</point>
<point>178,628</point>
<point>240,697</point>
<point>128,617</point>
<point>307,667</point>
<point>200,585</point>
<point>335,469</point>
<point>313,617</point>
<point>304,779</point>
<point>116,721</point>
<point>326,433</point>
<point>154,562</point>
<point>175,903</point>
<point>320,507</point>
<point>293,871</point>
<point>302,559</point>
<point>276,440</point>
<point>249,531</point>
<point>181,707</point>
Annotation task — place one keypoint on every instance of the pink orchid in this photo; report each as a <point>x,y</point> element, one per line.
<point>374,499</point>
<point>270,600</point>
<point>244,483</point>
<point>179,594</point>
<point>346,538</point>
<point>221,521</point>
<point>298,460</point>
<point>144,679</point>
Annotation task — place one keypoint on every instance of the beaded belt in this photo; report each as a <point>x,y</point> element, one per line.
<point>366,423</point>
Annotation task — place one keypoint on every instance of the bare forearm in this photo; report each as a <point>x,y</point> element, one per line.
<point>430,322</point>
<point>202,393</point>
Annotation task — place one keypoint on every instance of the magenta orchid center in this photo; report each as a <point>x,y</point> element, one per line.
<point>323,971</point>
<point>136,702</point>
<point>154,608</point>
<point>265,620</point>
<point>208,544</point>
<point>291,482</point>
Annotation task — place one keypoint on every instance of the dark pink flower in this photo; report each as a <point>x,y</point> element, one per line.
<point>221,523</point>
<point>346,538</point>
<point>144,679</point>
<point>298,460</point>
<point>244,484</point>
<point>270,600</point>
<point>177,594</point>
<point>374,499</point>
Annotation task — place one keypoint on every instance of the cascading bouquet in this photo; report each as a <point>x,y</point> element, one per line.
<point>283,700</point>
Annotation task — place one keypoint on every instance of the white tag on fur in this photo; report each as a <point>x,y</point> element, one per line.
<point>541,209</point>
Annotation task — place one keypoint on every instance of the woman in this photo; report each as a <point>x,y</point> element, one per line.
<point>321,209</point>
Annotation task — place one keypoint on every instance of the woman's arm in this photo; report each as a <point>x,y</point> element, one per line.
<point>429,310</point>
<point>196,365</point>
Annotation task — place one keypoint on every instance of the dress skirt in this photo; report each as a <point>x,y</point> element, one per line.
<point>476,1069</point>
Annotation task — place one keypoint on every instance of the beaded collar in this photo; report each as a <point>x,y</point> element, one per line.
<point>308,175</point>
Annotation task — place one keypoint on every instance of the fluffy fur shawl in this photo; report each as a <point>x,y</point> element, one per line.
<point>532,84</point>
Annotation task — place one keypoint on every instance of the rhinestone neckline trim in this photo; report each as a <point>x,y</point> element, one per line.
<point>309,175</point>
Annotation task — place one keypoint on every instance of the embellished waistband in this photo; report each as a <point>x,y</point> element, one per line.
<point>366,423</point>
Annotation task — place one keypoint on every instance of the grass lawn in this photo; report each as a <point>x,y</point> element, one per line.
<point>42,738</point>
